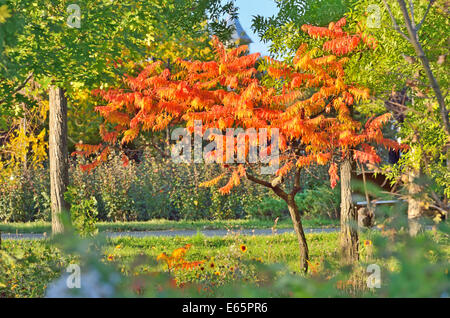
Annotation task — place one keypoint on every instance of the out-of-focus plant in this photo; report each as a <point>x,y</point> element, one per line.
<point>27,268</point>
<point>409,267</point>
<point>83,210</point>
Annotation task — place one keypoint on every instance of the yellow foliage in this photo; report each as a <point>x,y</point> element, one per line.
<point>212,182</point>
<point>4,13</point>
<point>26,147</point>
<point>165,45</point>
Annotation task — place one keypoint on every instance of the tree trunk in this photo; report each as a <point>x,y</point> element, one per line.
<point>414,207</point>
<point>293,210</point>
<point>23,126</point>
<point>446,199</point>
<point>296,220</point>
<point>349,231</point>
<point>59,174</point>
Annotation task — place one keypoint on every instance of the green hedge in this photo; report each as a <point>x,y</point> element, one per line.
<point>155,188</point>
<point>320,202</point>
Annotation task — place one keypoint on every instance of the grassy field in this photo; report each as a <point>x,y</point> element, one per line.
<point>161,224</point>
<point>38,262</point>
<point>223,260</point>
<point>270,249</point>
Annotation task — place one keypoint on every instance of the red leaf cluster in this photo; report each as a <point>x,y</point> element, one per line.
<point>311,110</point>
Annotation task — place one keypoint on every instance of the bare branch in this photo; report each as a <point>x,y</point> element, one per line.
<point>278,191</point>
<point>259,181</point>
<point>161,152</point>
<point>394,22</point>
<point>426,13</point>
<point>297,186</point>
<point>414,40</point>
<point>411,10</point>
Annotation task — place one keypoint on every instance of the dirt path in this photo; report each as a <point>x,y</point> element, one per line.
<point>172,233</point>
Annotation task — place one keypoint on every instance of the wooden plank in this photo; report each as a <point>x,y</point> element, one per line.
<point>364,203</point>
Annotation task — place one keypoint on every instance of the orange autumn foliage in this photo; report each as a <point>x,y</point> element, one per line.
<point>340,42</point>
<point>311,110</point>
<point>176,259</point>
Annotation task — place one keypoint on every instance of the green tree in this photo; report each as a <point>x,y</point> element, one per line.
<point>409,73</point>
<point>68,43</point>
<point>399,78</point>
<point>283,29</point>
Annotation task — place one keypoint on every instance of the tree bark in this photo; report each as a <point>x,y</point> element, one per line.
<point>23,126</point>
<point>349,230</point>
<point>294,212</point>
<point>59,174</point>
<point>298,227</point>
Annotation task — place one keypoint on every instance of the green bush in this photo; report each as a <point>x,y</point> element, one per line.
<point>239,203</point>
<point>149,190</point>
<point>269,208</point>
<point>320,202</point>
<point>25,198</point>
<point>110,183</point>
<point>156,188</point>
<point>83,210</point>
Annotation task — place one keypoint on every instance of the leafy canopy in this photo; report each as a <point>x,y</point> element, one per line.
<point>311,108</point>
<point>37,38</point>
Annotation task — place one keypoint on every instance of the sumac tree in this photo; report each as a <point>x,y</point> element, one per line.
<point>310,107</point>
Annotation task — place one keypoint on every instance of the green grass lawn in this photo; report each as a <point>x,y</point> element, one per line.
<point>36,262</point>
<point>161,224</point>
<point>270,249</point>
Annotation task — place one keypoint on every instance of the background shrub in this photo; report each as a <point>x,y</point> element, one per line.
<point>26,197</point>
<point>83,210</point>
<point>156,188</point>
<point>322,202</point>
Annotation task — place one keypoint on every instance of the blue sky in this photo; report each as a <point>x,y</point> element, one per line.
<point>249,8</point>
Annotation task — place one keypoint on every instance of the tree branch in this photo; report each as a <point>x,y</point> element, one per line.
<point>413,39</point>
<point>297,186</point>
<point>259,181</point>
<point>275,189</point>
<point>160,151</point>
<point>394,22</point>
<point>426,13</point>
<point>411,10</point>
<point>18,88</point>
